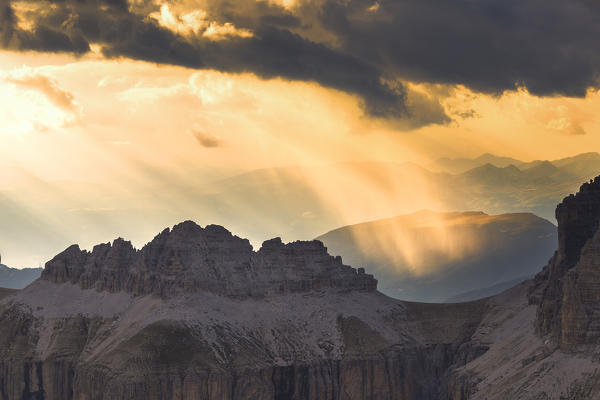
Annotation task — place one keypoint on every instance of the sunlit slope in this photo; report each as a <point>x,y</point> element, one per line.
<point>428,256</point>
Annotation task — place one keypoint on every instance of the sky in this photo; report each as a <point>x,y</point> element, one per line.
<point>117,114</point>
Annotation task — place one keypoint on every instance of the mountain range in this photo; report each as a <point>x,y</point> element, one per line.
<point>580,165</point>
<point>303,202</point>
<point>291,202</point>
<point>13,278</point>
<point>429,256</point>
<point>197,313</point>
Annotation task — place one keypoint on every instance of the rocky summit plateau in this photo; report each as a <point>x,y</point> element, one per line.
<point>198,314</point>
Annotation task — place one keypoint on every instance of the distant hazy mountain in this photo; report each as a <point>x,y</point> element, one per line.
<point>585,164</point>
<point>301,202</point>
<point>12,278</point>
<point>427,256</point>
<point>295,203</point>
<point>460,165</point>
<point>532,187</point>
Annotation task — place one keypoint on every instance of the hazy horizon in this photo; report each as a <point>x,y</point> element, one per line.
<point>141,238</point>
<point>120,118</point>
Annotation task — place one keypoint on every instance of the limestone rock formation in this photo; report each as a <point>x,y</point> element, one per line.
<point>569,287</point>
<point>190,258</point>
<point>197,314</point>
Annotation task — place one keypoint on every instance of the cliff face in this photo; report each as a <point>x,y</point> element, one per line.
<point>568,288</point>
<point>308,345</point>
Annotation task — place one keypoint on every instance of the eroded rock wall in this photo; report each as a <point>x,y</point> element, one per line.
<point>169,361</point>
<point>190,258</point>
<point>568,289</point>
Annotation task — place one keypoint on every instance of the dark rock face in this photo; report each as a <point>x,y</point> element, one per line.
<point>391,377</point>
<point>568,289</point>
<point>191,258</point>
<point>578,219</point>
<point>171,360</point>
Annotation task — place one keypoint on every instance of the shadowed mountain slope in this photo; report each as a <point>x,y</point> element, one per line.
<point>13,278</point>
<point>428,256</point>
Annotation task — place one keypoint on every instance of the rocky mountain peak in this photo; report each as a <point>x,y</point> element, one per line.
<point>189,258</point>
<point>569,287</point>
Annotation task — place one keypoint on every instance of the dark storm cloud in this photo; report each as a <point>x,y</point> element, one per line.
<point>273,51</point>
<point>45,35</point>
<point>549,47</point>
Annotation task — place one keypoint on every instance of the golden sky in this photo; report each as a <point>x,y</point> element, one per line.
<point>89,118</point>
<point>97,143</point>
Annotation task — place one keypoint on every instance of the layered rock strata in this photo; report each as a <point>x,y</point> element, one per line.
<point>190,258</point>
<point>568,289</point>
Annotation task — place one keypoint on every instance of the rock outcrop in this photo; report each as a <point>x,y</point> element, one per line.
<point>568,289</point>
<point>190,258</point>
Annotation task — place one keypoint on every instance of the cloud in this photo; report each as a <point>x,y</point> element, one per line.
<point>221,32</point>
<point>58,96</point>
<point>548,47</point>
<point>192,22</point>
<point>565,125</point>
<point>491,46</point>
<point>206,139</point>
<point>271,51</point>
<point>32,101</point>
<point>196,23</point>
<point>46,33</point>
<point>374,7</point>
<point>425,108</point>
<point>469,113</point>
